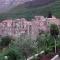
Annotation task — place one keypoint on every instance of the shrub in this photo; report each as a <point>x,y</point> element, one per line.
<point>54,31</point>
<point>5,41</point>
<point>12,55</point>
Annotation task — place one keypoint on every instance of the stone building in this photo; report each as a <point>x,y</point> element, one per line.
<point>27,29</point>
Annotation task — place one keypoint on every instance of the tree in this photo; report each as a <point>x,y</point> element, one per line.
<point>40,42</point>
<point>11,55</point>
<point>5,41</point>
<point>54,31</point>
<point>49,14</point>
<point>27,47</point>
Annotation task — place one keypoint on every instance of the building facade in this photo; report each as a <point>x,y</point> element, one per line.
<point>28,29</point>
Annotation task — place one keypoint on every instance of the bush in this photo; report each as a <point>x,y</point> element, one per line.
<point>54,30</point>
<point>11,55</point>
<point>48,50</point>
<point>23,47</point>
<point>5,41</point>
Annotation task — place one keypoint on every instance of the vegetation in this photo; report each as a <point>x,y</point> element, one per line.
<point>11,55</point>
<point>5,41</point>
<point>45,43</point>
<point>21,49</point>
<point>54,31</point>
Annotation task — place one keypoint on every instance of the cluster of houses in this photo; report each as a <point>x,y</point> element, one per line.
<point>22,27</point>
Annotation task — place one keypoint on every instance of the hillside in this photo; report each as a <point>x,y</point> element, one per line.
<point>37,3</point>
<point>21,11</point>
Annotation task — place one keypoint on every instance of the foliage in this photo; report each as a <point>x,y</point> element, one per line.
<point>11,55</point>
<point>49,14</point>
<point>45,42</point>
<point>24,47</point>
<point>48,50</point>
<point>5,41</point>
<point>54,31</point>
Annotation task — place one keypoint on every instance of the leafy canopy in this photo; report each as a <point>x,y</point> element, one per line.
<point>54,30</point>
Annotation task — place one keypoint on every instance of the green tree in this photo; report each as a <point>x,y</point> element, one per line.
<point>5,41</point>
<point>40,42</point>
<point>11,55</point>
<point>49,14</point>
<point>54,31</point>
<point>27,47</point>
